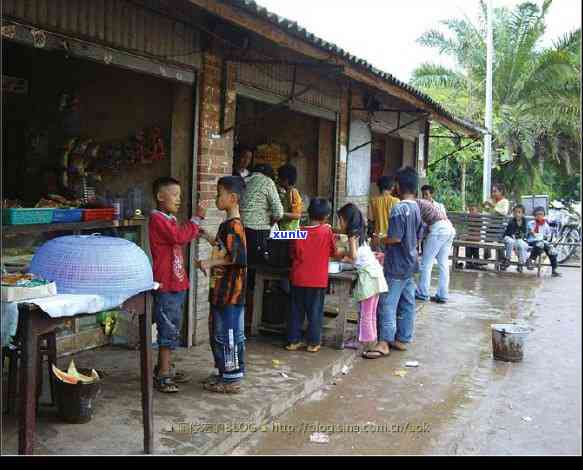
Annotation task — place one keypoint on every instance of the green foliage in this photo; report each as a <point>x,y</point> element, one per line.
<point>537,135</point>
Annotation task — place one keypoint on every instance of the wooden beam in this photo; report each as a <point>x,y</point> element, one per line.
<point>271,32</point>
<point>71,46</point>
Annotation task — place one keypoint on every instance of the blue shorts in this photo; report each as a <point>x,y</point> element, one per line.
<point>168,314</point>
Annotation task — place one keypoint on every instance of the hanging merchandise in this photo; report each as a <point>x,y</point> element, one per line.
<point>139,147</point>
<point>69,105</point>
<point>67,150</point>
<point>92,160</point>
<point>77,159</point>
<point>38,148</point>
<point>155,145</point>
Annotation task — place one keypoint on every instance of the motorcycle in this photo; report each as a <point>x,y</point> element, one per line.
<point>566,223</point>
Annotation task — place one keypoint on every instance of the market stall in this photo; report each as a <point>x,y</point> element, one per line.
<point>72,276</point>
<point>84,142</point>
<point>339,287</point>
<point>278,136</point>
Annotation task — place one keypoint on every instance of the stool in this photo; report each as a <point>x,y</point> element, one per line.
<point>13,354</point>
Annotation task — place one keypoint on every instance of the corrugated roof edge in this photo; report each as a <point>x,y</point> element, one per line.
<point>294,28</point>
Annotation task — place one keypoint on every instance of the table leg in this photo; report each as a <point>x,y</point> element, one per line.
<point>146,366</point>
<point>257,303</point>
<point>343,303</point>
<point>28,384</point>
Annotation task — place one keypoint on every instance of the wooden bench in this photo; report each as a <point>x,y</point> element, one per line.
<point>487,231</point>
<point>478,231</point>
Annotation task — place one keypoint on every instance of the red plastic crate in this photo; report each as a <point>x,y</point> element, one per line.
<point>98,214</point>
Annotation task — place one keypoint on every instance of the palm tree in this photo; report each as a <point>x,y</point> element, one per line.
<point>536,90</point>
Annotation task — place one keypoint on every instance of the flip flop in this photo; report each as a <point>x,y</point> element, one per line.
<point>352,344</point>
<point>377,354</point>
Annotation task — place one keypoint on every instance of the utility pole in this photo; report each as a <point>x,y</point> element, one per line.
<point>487,181</point>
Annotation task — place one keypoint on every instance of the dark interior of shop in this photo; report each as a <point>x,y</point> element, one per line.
<point>62,98</point>
<point>278,135</point>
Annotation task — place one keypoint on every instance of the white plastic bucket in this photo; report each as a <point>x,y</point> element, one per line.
<point>508,341</point>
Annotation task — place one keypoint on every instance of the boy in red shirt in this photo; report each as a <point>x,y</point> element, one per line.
<point>309,277</point>
<point>167,240</point>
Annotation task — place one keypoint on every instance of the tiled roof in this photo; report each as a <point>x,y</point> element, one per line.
<point>295,29</point>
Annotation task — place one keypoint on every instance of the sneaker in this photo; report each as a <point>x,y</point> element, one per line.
<point>421,298</point>
<point>438,300</point>
<point>295,346</point>
<point>530,264</point>
<point>556,274</point>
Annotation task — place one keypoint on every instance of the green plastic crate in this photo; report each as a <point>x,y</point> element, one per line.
<point>27,216</point>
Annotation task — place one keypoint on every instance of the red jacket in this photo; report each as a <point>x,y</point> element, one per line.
<point>167,240</point>
<point>310,257</point>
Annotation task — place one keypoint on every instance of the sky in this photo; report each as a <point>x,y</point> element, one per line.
<point>384,32</point>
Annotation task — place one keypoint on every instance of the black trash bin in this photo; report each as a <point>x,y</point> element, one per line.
<point>75,402</point>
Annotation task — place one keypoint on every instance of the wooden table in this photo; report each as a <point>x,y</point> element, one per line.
<point>340,284</point>
<point>33,322</point>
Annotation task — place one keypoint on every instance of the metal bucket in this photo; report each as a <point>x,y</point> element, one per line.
<point>508,342</point>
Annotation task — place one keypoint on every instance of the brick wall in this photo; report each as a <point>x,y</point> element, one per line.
<point>215,160</point>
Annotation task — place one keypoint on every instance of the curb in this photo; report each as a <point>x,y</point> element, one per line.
<point>272,409</point>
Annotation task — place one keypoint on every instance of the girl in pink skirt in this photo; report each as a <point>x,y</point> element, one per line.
<point>371,280</point>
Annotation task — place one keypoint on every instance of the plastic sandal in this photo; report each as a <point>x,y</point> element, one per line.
<point>375,354</point>
<point>178,376</point>
<point>211,378</point>
<point>165,385</point>
<point>221,387</point>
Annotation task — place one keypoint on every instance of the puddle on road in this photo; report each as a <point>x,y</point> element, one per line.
<point>482,300</point>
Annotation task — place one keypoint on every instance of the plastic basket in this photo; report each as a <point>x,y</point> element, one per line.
<point>27,216</point>
<point>98,214</point>
<point>67,215</point>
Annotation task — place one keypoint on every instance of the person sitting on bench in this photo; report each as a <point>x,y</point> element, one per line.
<point>539,233</point>
<point>498,205</point>
<point>473,251</point>
<point>515,239</point>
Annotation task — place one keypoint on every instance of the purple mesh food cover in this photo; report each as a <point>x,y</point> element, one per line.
<point>94,264</point>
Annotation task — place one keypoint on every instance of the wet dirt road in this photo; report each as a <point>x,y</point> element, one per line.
<point>459,401</point>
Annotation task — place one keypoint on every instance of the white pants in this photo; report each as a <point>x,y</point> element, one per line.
<point>519,246</point>
<point>436,246</point>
